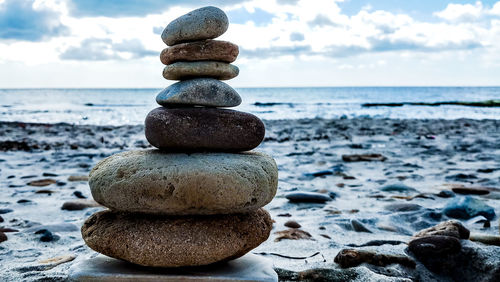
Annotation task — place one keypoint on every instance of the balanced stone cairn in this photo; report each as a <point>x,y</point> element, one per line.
<point>198,198</point>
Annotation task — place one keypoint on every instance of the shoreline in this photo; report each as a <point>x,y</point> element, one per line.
<point>425,155</point>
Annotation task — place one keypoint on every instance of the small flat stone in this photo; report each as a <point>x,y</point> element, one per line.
<point>4,211</point>
<point>169,241</point>
<point>451,228</point>
<point>292,224</point>
<point>203,129</point>
<point>248,268</point>
<point>78,178</point>
<point>153,181</point>
<point>470,190</point>
<point>359,227</point>
<point>468,207</point>
<point>190,70</point>
<point>201,92</point>
<point>363,158</point>
<point>78,205</point>
<point>203,23</point>
<point>403,207</point>
<point>398,187</point>
<point>205,50</point>
<point>42,182</point>
<point>307,197</point>
<point>486,239</point>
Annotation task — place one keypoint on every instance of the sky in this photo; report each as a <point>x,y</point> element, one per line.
<point>283,43</point>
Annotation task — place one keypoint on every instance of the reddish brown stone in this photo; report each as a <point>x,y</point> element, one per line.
<point>174,241</point>
<point>206,50</point>
<point>203,129</point>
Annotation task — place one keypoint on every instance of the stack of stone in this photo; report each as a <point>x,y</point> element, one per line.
<point>198,198</point>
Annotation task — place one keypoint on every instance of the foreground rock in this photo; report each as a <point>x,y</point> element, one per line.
<point>201,92</point>
<point>204,23</point>
<point>468,207</point>
<point>203,128</point>
<point>161,241</point>
<point>211,183</point>
<point>247,268</point>
<point>205,50</point>
<point>448,228</point>
<point>190,70</point>
<point>351,258</point>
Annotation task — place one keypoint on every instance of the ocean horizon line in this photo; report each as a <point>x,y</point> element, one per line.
<point>256,87</point>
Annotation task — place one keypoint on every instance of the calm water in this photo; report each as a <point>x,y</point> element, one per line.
<point>130,106</point>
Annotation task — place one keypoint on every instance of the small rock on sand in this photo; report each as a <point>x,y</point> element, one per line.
<point>363,158</point>
<point>42,182</point>
<point>307,197</point>
<point>3,237</point>
<point>78,178</point>
<point>292,224</point>
<point>4,211</point>
<point>359,227</point>
<point>292,234</point>
<point>468,207</point>
<point>77,205</point>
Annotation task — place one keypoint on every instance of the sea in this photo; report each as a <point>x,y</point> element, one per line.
<point>130,106</point>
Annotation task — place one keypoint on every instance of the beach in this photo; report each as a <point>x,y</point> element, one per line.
<point>43,166</point>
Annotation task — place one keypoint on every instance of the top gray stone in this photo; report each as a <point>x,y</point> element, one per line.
<point>204,23</point>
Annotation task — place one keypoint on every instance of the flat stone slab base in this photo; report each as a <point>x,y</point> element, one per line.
<point>101,268</point>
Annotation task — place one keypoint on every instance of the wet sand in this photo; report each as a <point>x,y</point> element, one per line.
<point>427,156</point>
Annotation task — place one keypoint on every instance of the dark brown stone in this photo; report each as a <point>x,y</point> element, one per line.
<point>206,50</point>
<point>203,129</point>
<point>3,237</point>
<point>175,241</point>
<point>434,246</point>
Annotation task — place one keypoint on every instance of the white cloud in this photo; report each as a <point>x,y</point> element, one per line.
<point>299,35</point>
<point>461,13</point>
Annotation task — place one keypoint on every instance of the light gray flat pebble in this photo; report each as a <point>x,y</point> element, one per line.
<point>211,69</point>
<point>201,92</point>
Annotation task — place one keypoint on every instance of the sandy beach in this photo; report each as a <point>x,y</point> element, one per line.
<point>43,168</point>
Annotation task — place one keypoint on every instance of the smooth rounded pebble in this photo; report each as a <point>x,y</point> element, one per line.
<point>152,181</point>
<point>307,197</point>
<point>201,92</point>
<point>189,70</point>
<point>204,23</point>
<point>162,241</point>
<point>203,129</point>
<point>205,50</point>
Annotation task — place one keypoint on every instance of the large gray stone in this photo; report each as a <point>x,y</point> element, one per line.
<point>204,23</point>
<point>152,181</point>
<point>101,268</point>
<point>201,92</point>
<point>188,70</point>
<point>175,241</point>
